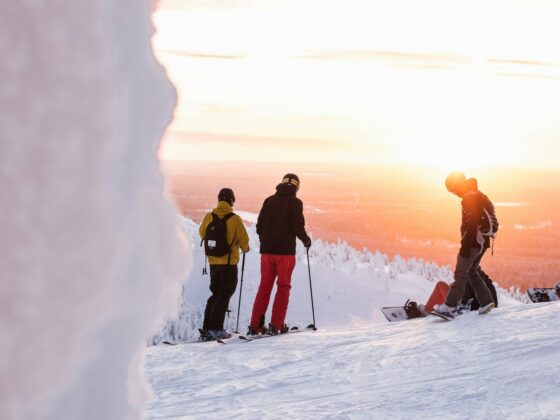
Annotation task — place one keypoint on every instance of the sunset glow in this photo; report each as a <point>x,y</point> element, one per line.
<point>401,82</point>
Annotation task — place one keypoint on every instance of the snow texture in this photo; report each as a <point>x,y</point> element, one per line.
<point>90,247</point>
<point>503,365</point>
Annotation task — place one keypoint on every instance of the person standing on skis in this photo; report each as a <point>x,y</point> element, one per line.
<point>478,225</point>
<point>280,221</point>
<point>224,234</point>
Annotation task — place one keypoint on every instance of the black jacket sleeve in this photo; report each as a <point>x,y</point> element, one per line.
<point>262,215</point>
<point>299,223</point>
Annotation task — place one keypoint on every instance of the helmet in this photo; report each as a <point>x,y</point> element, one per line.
<point>453,180</point>
<point>226,194</point>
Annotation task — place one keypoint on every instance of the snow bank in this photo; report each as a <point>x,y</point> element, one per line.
<point>89,245</point>
<point>349,286</point>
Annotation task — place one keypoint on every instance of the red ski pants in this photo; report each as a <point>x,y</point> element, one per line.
<point>273,266</point>
<point>438,296</point>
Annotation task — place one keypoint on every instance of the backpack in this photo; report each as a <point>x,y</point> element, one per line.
<point>490,223</point>
<point>215,239</point>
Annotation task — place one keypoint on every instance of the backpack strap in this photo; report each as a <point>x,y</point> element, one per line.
<point>227,216</point>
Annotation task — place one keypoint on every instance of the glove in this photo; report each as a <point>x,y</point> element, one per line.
<point>307,243</point>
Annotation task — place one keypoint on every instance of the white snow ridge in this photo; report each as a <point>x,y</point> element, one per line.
<point>88,243</point>
<point>357,365</point>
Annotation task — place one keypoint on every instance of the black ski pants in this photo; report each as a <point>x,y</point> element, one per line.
<point>223,282</point>
<point>467,272</point>
<point>469,294</point>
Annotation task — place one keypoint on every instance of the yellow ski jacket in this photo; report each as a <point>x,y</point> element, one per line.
<point>236,233</point>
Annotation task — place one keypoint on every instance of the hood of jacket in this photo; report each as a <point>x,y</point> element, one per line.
<point>222,209</point>
<point>286,189</point>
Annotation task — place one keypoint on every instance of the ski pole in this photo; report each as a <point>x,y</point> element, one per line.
<point>240,290</point>
<point>311,289</point>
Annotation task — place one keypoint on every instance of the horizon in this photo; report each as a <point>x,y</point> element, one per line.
<point>395,211</point>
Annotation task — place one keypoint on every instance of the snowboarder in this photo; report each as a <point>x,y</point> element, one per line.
<point>221,229</point>
<point>469,298</point>
<point>468,301</point>
<point>280,221</point>
<point>478,225</point>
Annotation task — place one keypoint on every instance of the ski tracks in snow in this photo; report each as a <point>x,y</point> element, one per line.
<point>501,365</point>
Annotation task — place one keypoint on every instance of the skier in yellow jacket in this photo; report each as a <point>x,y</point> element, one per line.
<point>223,269</point>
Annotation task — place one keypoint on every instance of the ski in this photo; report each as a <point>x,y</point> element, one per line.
<point>169,343</point>
<point>292,330</point>
<point>199,340</point>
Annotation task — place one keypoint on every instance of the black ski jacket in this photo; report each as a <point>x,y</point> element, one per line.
<point>281,221</point>
<point>473,219</point>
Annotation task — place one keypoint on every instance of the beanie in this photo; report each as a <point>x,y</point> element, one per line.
<point>291,179</point>
<point>226,194</point>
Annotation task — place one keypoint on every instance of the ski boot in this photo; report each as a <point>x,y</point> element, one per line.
<point>219,334</point>
<point>449,311</point>
<point>205,335</point>
<point>272,330</point>
<point>257,330</point>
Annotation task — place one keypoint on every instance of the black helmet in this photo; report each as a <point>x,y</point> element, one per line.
<point>226,194</point>
<point>291,179</point>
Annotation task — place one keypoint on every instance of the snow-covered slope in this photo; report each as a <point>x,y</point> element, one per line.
<point>349,286</point>
<point>503,365</point>
<point>357,365</point>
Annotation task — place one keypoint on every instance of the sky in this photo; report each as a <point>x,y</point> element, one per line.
<point>437,82</point>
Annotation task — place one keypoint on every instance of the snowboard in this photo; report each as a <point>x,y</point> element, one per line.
<point>542,294</point>
<point>394,313</point>
<point>442,317</point>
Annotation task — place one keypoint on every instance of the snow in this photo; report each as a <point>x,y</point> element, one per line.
<point>501,365</point>
<point>247,216</point>
<point>358,365</point>
<point>90,251</point>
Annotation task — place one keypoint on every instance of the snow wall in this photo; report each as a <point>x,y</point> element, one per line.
<point>90,249</point>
